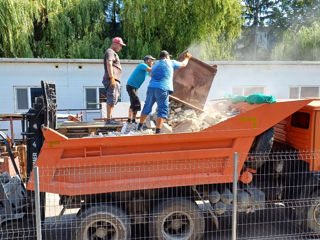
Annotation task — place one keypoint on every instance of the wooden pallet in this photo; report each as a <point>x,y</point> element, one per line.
<point>83,129</point>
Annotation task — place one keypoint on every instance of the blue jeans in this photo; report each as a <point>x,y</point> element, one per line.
<point>161,97</point>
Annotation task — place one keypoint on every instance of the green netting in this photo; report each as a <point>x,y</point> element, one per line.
<point>236,99</point>
<point>253,99</point>
<point>260,98</point>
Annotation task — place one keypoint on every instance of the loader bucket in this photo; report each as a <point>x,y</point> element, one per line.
<point>192,83</point>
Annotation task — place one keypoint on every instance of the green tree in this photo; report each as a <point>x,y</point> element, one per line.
<point>53,28</point>
<point>84,28</point>
<point>258,15</point>
<point>70,29</point>
<point>303,44</point>
<point>273,18</point>
<point>209,27</point>
<point>295,13</point>
<point>16,28</point>
<point>112,11</point>
<point>297,28</point>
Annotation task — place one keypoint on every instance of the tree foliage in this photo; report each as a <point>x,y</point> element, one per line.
<point>16,28</point>
<point>295,14</point>
<point>274,18</point>
<point>297,28</point>
<point>209,27</point>
<point>259,12</point>
<point>84,28</point>
<point>258,15</point>
<point>70,28</point>
<point>53,28</point>
<point>303,44</point>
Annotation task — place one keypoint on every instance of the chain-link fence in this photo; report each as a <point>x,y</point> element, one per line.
<point>278,197</point>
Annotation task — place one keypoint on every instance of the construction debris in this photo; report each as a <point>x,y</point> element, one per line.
<point>182,119</point>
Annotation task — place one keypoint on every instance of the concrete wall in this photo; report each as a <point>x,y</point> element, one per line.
<point>70,76</point>
<point>74,75</point>
<point>276,77</point>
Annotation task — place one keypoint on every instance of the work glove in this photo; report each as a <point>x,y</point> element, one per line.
<point>188,55</point>
<point>112,82</point>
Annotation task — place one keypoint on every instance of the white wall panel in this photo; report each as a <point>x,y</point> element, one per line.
<point>73,75</point>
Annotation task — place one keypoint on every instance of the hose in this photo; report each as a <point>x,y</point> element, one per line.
<point>7,142</point>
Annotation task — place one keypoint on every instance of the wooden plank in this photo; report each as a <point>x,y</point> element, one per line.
<point>76,125</point>
<point>82,131</point>
<point>9,115</point>
<point>185,103</point>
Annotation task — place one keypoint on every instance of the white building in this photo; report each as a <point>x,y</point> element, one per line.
<point>78,82</point>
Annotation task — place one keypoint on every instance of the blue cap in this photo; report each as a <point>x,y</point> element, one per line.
<point>148,57</point>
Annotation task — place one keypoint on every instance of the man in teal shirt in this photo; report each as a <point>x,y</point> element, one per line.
<point>135,81</point>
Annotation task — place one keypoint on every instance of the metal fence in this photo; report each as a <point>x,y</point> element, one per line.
<point>278,197</point>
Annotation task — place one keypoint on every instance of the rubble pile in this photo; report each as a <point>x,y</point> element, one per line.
<point>127,130</point>
<point>182,118</point>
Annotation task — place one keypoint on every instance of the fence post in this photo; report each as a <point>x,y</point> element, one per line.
<point>234,202</point>
<point>37,200</point>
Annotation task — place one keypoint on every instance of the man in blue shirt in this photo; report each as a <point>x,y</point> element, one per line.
<point>135,81</point>
<point>160,86</point>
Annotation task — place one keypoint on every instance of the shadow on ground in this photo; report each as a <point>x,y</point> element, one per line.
<point>266,224</point>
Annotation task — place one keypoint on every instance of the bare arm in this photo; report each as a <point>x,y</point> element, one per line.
<point>184,63</point>
<point>148,70</point>
<point>187,57</point>
<point>110,69</point>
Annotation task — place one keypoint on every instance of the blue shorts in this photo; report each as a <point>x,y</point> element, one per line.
<point>161,97</point>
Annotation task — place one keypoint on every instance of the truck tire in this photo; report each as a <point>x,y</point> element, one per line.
<point>312,219</point>
<point>262,146</point>
<point>103,222</point>
<point>177,218</point>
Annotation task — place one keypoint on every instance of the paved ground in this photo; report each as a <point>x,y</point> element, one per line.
<point>260,225</point>
<point>277,223</point>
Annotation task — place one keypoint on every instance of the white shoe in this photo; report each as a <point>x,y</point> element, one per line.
<point>134,126</point>
<point>124,128</point>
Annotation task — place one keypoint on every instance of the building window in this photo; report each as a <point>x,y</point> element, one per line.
<point>248,90</point>
<point>94,96</point>
<point>22,98</point>
<point>91,98</point>
<point>25,97</point>
<point>304,92</point>
<point>294,92</point>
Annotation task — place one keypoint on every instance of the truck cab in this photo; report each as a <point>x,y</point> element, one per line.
<point>301,131</point>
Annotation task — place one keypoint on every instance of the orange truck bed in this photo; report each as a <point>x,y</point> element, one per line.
<point>112,164</point>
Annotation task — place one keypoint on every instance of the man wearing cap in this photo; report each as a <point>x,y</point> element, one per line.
<point>112,76</point>
<point>135,81</point>
<point>160,86</point>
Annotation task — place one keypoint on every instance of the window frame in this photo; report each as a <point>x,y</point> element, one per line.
<point>299,90</point>
<point>15,88</point>
<point>246,87</point>
<point>85,99</point>
<point>97,88</point>
<point>296,120</point>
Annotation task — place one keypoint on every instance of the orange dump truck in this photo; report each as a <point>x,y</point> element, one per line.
<point>151,178</point>
<point>169,182</point>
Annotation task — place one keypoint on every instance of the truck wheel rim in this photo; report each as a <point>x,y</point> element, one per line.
<point>177,225</point>
<point>101,230</point>
<point>316,214</point>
